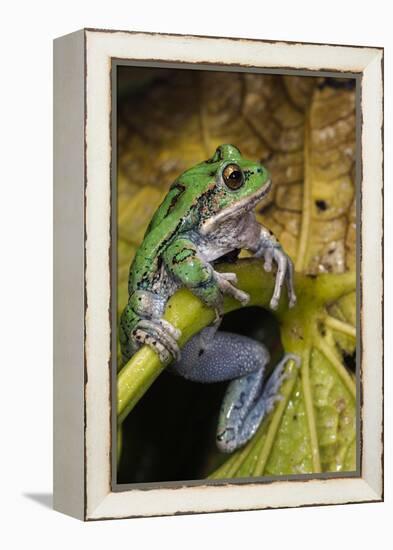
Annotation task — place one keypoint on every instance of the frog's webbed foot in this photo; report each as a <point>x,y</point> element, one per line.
<point>159,335</point>
<point>225,281</point>
<point>246,403</point>
<point>271,389</point>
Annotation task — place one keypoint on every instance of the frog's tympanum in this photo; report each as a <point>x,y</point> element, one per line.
<point>207,214</point>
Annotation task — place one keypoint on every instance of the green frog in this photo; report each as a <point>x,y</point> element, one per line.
<point>207,214</point>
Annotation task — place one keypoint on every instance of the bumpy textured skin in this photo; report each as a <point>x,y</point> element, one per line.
<point>227,356</point>
<point>201,219</point>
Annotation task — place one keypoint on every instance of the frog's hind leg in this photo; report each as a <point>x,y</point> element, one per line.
<point>128,322</point>
<point>141,323</point>
<point>246,402</point>
<point>212,356</point>
<point>248,398</point>
<point>240,400</point>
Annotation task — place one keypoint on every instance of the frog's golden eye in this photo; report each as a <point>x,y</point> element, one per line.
<point>233,176</point>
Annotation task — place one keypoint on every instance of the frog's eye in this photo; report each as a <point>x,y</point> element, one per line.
<point>233,176</point>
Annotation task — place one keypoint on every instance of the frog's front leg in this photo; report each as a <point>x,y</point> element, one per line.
<point>268,247</point>
<point>195,273</point>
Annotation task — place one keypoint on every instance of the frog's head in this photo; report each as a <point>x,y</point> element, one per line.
<point>236,185</point>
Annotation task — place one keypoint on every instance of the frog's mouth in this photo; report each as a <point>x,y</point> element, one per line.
<point>235,210</point>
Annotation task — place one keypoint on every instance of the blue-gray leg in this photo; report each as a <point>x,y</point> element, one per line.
<point>239,417</point>
<point>212,356</point>
<point>246,403</point>
<point>217,356</point>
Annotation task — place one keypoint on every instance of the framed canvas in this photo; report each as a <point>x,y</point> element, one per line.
<point>218,274</point>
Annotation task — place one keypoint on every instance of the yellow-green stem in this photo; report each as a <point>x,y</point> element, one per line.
<point>340,326</point>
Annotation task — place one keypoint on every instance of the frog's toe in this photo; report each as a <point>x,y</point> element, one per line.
<point>226,440</point>
<point>243,297</point>
<point>156,335</point>
<point>290,284</point>
<point>169,328</point>
<point>271,392</point>
<point>292,300</point>
<point>142,337</point>
<point>225,280</point>
<point>232,277</point>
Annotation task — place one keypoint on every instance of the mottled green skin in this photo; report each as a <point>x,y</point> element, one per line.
<point>170,244</point>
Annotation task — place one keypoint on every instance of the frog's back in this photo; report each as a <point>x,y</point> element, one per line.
<point>174,215</point>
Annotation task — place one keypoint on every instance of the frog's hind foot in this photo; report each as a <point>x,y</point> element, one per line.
<point>247,401</point>
<point>271,393</point>
<point>234,428</point>
<point>159,335</point>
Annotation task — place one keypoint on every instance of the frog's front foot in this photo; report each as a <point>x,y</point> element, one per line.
<point>285,273</point>
<point>225,281</point>
<point>159,335</point>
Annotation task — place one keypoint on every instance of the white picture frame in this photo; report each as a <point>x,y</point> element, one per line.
<point>83,427</point>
